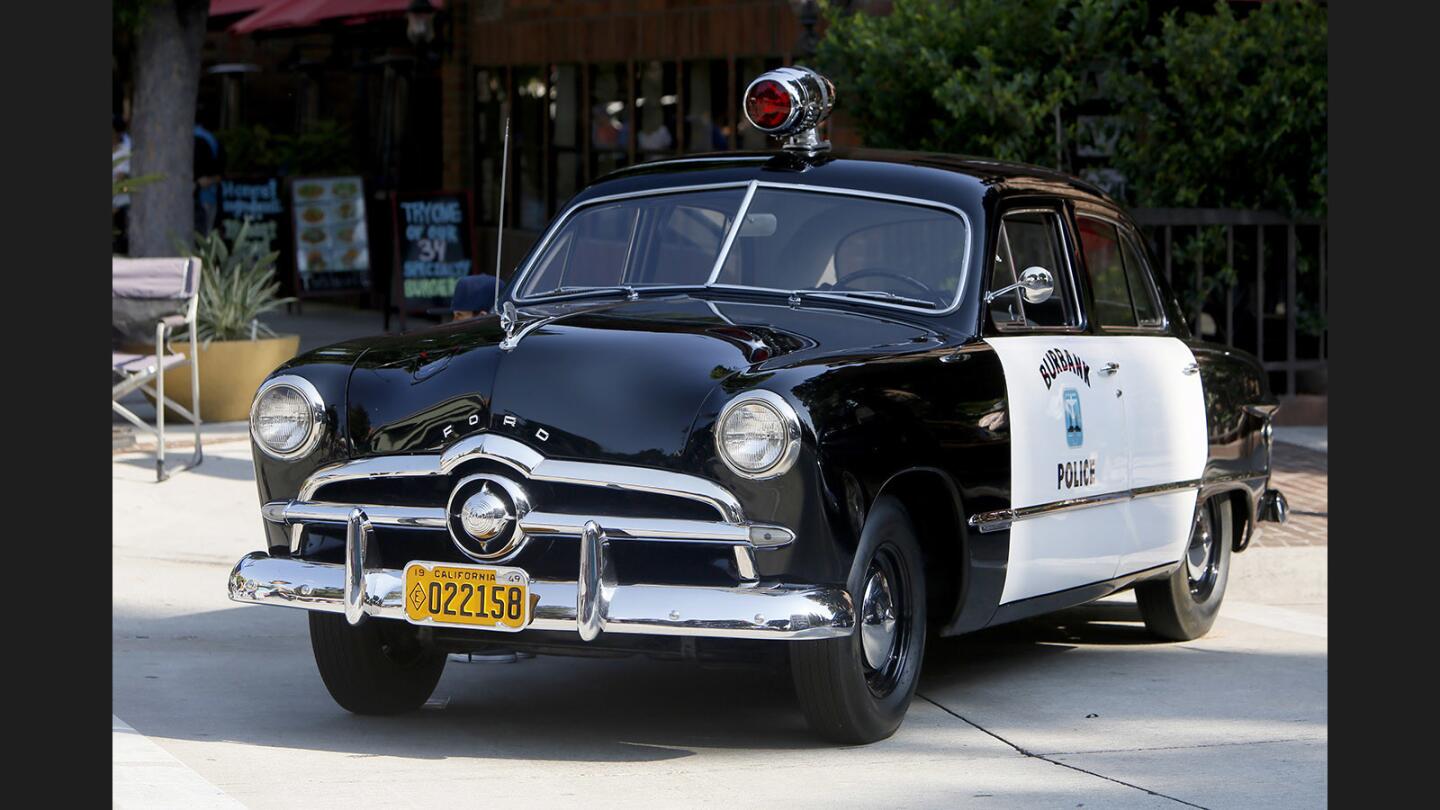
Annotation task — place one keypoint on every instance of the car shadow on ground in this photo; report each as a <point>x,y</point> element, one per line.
<point>549,708</point>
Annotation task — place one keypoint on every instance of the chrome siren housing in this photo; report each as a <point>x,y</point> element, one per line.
<point>810,97</point>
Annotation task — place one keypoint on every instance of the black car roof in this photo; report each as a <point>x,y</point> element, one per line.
<point>956,180</point>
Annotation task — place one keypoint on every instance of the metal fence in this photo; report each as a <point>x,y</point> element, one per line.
<point>1255,280</point>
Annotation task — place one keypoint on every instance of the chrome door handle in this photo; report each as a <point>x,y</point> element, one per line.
<point>1110,368</point>
<point>1193,368</point>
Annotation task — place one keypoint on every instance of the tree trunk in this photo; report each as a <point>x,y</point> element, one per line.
<point>162,126</point>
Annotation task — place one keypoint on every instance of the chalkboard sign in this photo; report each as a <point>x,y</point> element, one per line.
<point>332,245</point>
<point>257,200</point>
<point>434,247</point>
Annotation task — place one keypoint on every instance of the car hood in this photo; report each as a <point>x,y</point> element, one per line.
<point>621,381</point>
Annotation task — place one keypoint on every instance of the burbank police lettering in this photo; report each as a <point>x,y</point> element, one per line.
<point>1056,361</point>
<point>1075,474</point>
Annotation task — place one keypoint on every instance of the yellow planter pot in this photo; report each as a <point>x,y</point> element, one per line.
<point>230,372</point>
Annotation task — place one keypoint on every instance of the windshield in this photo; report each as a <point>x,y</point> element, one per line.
<point>811,242</point>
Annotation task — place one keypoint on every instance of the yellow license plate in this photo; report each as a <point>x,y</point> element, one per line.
<point>484,596</point>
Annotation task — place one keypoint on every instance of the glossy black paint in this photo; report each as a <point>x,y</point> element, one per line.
<point>891,402</point>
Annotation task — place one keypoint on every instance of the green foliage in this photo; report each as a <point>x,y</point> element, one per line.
<point>982,77</point>
<point>1231,112</point>
<point>322,148</point>
<point>1213,110</point>
<point>237,286</point>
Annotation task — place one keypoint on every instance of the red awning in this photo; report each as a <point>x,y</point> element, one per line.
<point>305,13</point>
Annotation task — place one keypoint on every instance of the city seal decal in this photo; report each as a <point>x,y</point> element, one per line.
<point>1057,361</point>
<point>1074,429</point>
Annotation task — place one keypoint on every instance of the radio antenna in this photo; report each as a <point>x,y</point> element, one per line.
<point>500,221</point>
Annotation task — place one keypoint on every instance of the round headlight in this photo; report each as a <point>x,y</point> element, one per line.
<point>758,435</point>
<point>286,418</point>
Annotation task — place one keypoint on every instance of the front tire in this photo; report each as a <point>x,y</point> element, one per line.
<point>375,667</point>
<point>856,690</point>
<point>1184,605</point>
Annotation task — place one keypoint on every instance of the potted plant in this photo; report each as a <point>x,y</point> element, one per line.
<point>237,351</point>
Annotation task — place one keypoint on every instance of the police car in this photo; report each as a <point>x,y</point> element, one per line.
<point>807,406</point>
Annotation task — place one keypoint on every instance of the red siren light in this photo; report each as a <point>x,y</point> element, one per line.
<point>790,102</point>
<point>767,105</point>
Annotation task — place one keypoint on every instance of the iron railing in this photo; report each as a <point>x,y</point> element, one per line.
<point>1255,280</point>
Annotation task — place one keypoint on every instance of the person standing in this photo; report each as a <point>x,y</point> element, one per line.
<point>474,296</point>
<point>207,179</point>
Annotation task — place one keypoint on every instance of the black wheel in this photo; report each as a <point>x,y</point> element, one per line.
<point>376,667</point>
<point>1184,605</point>
<point>856,689</point>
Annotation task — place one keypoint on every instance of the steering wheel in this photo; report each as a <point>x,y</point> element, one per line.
<point>925,290</point>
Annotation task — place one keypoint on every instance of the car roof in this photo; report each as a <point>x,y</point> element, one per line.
<point>957,180</point>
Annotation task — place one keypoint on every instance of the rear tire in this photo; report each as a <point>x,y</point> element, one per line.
<point>375,667</point>
<point>856,690</point>
<point>1183,606</point>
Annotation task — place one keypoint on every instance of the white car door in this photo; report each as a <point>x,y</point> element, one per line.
<point>1158,375</point>
<point>1068,445</point>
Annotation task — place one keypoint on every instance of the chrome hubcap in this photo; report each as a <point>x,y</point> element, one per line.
<point>1202,558</point>
<point>877,620</point>
<point>1197,558</point>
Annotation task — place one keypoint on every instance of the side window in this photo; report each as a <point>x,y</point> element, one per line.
<point>1142,286</point>
<point>1028,239</point>
<point>1100,242</point>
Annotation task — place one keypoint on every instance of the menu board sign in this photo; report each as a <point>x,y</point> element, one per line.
<point>256,200</point>
<point>433,245</point>
<point>332,246</point>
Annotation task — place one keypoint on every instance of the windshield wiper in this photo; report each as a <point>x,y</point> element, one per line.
<point>874,294</point>
<point>588,292</point>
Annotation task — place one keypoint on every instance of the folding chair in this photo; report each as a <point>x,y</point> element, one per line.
<point>166,293</point>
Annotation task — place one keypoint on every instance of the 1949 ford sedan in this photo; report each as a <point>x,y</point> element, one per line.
<point>805,404</point>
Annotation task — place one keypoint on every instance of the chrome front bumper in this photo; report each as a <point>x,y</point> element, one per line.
<point>592,604</point>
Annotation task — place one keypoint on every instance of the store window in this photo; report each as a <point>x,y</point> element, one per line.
<point>656,106</point>
<point>489,131</point>
<point>609,118</point>
<point>529,137</point>
<point>567,138</point>
<point>707,106</point>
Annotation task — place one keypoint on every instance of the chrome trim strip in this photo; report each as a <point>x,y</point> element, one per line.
<point>735,226</point>
<point>695,531</point>
<point>404,517</point>
<point>535,523</point>
<point>529,463</point>
<point>763,610</point>
<point>1001,519</point>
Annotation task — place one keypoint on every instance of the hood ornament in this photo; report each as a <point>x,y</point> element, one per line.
<point>508,319</point>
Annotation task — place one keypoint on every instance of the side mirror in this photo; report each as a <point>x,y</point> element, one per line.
<point>1036,285</point>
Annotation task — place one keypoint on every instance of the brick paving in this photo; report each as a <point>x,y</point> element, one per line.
<point>1303,475</point>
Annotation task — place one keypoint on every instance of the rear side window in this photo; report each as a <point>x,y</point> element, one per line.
<point>1100,242</point>
<point>1030,239</point>
<point>1142,285</point>
<point>1125,296</point>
